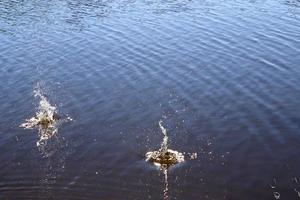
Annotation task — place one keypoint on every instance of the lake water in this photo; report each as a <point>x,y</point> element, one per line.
<point>222,76</point>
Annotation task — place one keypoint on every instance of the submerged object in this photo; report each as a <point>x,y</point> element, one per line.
<point>164,157</point>
<point>47,120</point>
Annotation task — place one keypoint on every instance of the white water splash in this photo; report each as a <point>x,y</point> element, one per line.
<point>164,144</point>
<point>192,156</point>
<point>276,195</point>
<point>164,157</point>
<point>298,193</point>
<point>46,119</point>
<point>166,196</point>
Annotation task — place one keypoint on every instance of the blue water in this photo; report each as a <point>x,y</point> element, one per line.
<point>223,76</point>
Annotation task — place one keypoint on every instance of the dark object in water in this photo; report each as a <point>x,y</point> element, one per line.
<point>164,158</point>
<point>48,120</point>
<point>45,122</point>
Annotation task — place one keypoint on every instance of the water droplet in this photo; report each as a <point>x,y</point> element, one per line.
<point>276,195</point>
<point>298,193</point>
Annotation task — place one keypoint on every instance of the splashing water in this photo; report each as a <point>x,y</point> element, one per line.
<point>166,196</point>
<point>46,119</point>
<point>164,144</point>
<point>276,195</point>
<point>164,157</point>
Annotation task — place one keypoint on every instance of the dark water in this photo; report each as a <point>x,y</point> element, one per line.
<point>222,75</point>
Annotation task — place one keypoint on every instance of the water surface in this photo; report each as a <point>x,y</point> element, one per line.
<point>223,76</point>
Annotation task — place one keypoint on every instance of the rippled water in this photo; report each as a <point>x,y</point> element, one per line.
<point>224,77</point>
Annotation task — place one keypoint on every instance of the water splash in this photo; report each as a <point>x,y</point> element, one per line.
<point>273,187</point>
<point>164,144</point>
<point>46,119</point>
<point>164,157</point>
<point>276,195</point>
<point>166,196</point>
<point>298,193</point>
